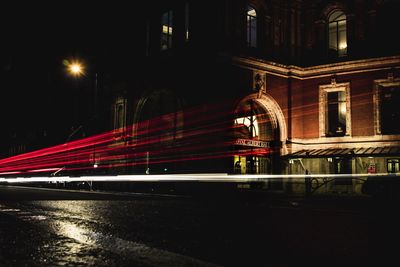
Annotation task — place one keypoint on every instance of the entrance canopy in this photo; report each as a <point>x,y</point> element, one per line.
<point>340,152</point>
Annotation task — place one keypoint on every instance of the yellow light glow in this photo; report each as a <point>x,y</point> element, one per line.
<point>252,12</point>
<point>167,30</point>
<point>343,46</point>
<point>343,108</point>
<point>76,69</point>
<point>246,121</point>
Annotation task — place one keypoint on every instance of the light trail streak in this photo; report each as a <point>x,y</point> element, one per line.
<point>204,133</point>
<point>202,177</point>
<point>78,152</point>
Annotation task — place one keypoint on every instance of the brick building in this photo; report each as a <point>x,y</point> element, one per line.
<point>311,86</point>
<point>235,86</point>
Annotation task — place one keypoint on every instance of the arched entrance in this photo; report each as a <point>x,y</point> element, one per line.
<point>157,125</point>
<point>259,135</point>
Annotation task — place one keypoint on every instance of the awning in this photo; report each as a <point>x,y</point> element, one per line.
<point>349,152</point>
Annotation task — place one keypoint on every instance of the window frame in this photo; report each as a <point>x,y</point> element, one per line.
<point>395,161</point>
<point>120,103</point>
<point>323,107</point>
<point>249,28</point>
<point>337,32</point>
<point>169,34</point>
<point>378,84</point>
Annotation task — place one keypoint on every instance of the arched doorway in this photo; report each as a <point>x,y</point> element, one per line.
<point>259,135</point>
<point>157,125</point>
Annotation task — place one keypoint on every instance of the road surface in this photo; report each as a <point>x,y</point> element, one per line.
<point>46,227</point>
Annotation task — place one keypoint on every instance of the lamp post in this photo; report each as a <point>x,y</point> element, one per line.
<point>77,69</point>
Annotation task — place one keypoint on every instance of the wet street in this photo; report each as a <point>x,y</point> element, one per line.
<point>43,227</point>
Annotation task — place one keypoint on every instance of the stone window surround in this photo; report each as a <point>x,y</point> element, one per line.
<point>323,105</point>
<point>118,103</point>
<point>389,82</point>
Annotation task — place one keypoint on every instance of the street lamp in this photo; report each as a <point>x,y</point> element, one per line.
<point>77,69</point>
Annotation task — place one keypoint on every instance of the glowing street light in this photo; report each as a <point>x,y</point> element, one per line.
<point>76,68</point>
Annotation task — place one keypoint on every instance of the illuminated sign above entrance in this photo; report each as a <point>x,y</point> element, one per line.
<point>250,142</point>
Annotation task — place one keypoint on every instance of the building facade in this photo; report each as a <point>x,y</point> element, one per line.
<point>285,87</point>
<point>248,87</point>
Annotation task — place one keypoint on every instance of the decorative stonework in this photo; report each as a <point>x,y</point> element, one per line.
<point>378,84</point>
<point>323,105</point>
<point>319,71</point>
<point>259,83</point>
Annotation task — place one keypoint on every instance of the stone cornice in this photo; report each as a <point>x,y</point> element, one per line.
<point>342,68</point>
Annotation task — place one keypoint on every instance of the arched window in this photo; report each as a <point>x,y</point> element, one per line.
<point>251,15</point>
<point>120,114</point>
<point>120,117</point>
<point>166,30</point>
<point>337,33</point>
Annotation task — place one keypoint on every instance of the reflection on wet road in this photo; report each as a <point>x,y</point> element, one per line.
<point>194,231</point>
<point>78,227</point>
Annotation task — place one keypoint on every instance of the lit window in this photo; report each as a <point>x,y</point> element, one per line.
<point>251,27</point>
<point>336,113</point>
<point>249,125</point>
<point>393,165</point>
<point>166,30</point>
<point>337,33</point>
<point>334,109</point>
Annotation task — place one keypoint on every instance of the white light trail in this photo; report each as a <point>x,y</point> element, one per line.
<point>201,177</point>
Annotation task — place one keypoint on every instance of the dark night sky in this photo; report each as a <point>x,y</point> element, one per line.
<point>36,38</point>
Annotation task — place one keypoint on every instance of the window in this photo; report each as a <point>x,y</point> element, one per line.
<point>393,165</point>
<point>342,166</point>
<point>334,110</point>
<point>386,101</point>
<point>166,30</point>
<point>187,21</point>
<point>390,112</point>
<point>120,117</point>
<point>247,126</point>
<point>120,114</point>
<point>251,27</point>
<point>337,33</point>
<point>336,113</point>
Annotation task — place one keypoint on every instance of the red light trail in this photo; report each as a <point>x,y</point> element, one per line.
<point>202,133</point>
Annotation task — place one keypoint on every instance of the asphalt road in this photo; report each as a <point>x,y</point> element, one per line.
<point>45,227</point>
